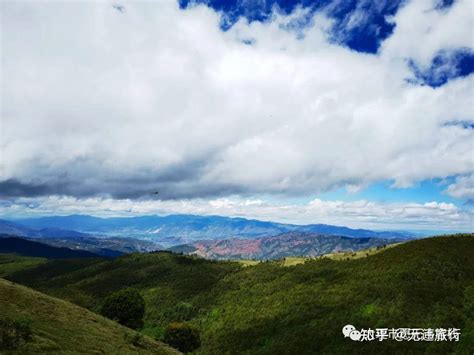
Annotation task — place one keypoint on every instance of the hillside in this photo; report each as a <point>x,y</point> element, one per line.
<point>61,327</point>
<point>25,247</point>
<point>63,237</point>
<point>11,263</point>
<point>110,246</point>
<point>285,245</point>
<point>301,309</point>
<point>270,309</point>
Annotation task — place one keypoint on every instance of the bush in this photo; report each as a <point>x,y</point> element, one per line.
<point>182,311</point>
<point>182,337</point>
<point>126,306</point>
<point>14,333</point>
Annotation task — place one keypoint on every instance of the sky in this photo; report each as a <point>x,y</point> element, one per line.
<point>356,113</point>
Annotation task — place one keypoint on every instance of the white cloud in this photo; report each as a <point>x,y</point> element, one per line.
<point>463,187</point>
<point>98,102</point>
<point>422,30</point>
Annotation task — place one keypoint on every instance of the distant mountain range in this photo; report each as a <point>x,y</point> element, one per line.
<point>22,230</point>
<point>97,244</point>
<point>208,236</point>
<point>278,247</point>
<point>180,229</point>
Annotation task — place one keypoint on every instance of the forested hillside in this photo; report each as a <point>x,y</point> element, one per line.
<point>272,309</point>
<point>25,247</point>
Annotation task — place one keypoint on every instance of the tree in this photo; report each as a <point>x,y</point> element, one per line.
<point>126,306</point>
<point>182,337</point>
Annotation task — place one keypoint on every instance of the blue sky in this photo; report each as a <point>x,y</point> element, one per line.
<point>426,190</point>
<point>365,36</point>
<point>345,112</point>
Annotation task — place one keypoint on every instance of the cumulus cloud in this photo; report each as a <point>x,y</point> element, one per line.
<point>98,102</point>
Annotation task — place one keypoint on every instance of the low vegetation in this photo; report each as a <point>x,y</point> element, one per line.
<point>14,333</point>
<point>34,323</point>
<point>270,309</point>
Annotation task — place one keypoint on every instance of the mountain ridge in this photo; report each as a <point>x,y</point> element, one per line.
<point>194,227</point>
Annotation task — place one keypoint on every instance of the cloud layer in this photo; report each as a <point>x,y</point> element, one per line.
<point>100,103</point>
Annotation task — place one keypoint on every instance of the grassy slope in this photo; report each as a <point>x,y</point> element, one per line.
<point>163,278</point>
<point>10,263</point>
<point>269,309</point>
<point>61,327</point>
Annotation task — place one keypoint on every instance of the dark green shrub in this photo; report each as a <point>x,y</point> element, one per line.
<point>182,337</point>
<point>14,333</point>
<point>126,306</point>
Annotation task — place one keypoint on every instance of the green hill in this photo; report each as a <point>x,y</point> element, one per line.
<point>11,263</point>
<point>61,327</point>
<point>271,309</point>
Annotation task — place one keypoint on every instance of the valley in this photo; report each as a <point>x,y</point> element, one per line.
<point>212,237</point>
<point>277,247</point>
